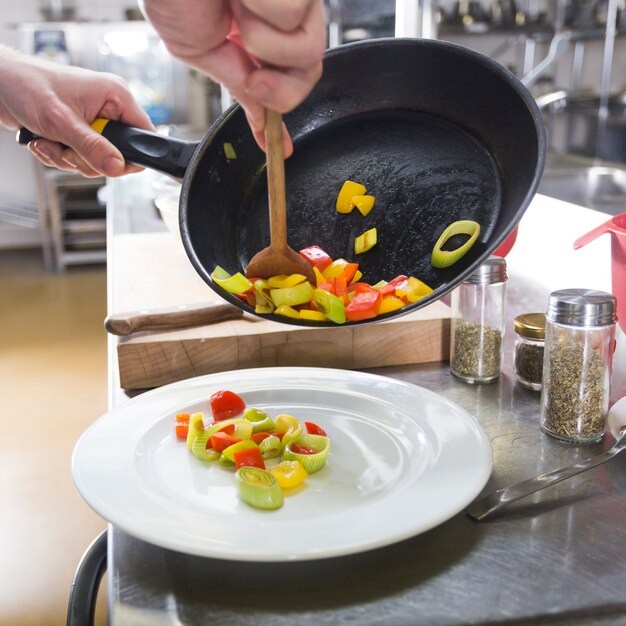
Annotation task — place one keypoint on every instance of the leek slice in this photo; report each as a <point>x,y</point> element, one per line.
<point>196,425</point>
<point>311,462</point>
<point>271,447</point>
<point>258,488</point>
<point>199,449</point>
<point>445,258</point>
<point>237,283</point>
<point>289,425</point>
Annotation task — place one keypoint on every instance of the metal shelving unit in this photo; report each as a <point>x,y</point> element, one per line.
<point>73,221</point>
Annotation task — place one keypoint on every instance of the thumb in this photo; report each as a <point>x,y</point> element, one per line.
<point>97,151</point>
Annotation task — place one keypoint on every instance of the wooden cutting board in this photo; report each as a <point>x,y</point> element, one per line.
<point>152,271</point>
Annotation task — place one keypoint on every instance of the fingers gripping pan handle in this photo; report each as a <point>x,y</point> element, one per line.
<point>142,147</point>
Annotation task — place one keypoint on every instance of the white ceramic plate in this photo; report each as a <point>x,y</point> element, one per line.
<point>617,417</point>
<point>403,460</point>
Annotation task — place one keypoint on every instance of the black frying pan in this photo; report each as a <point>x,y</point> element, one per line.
<point>435,131</point>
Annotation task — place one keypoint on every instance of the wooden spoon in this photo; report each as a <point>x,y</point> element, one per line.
<point>278,257</point>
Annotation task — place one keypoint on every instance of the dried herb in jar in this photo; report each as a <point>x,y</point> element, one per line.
<point>574,392</point>
<point>477,350</point>
<point>529,362</point>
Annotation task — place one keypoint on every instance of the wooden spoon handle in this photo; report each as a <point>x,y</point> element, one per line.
<point>276,179</point>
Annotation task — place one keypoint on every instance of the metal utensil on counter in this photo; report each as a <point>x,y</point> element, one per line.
<point>171,318</point>
<point>484,508</point>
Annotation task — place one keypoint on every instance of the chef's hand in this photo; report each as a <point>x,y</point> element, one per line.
<point>287,36</point>
<point>59,103</point>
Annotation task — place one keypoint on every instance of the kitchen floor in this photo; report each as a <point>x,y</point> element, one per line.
<point>53,376</point>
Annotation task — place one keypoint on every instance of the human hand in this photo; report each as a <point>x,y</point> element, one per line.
<point>59,102</point>
<point>288,37</point>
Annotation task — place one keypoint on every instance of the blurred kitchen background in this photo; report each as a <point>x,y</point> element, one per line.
<point>570,53</point>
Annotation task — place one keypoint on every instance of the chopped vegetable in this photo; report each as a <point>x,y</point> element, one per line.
<point>229,151</point>
<point>314,429</point>
<point>200,449</point>
<point>347,192</point>
<point>258,488</point>
<point>287,311</point>
<point>249,457</point>
<point>228,454</point>
<point>330,305</point>
<point>416,289</point>
<point>444,258</point>
<point>363,203</point>
<point>182,426</point>
<point>271,447</point>
<point>282,281</point>
<point>196,425</point>
<point>291,296</point>
<point>225,404</point>
<point>309,314</point>
<point>312,462</point>
<point>289,425</point>
<point>364,305</point>
<point>389,304</point>
<point>237,283</point>
<point>300,449</point>
<point>316,257</point>
<point>289,474</point>
<point>221,440</point>
<point>366,241</point>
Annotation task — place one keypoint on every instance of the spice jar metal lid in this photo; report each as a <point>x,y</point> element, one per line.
<point>581,307</point>
<point>493,270</point>
<point>531,325</point>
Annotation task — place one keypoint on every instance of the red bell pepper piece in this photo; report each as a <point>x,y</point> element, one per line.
<point>316,257</point>
<point>221,440</point>
<point>250,457</point>
<point>182,426</point>
<point>364,305</point>
<point>226,404</point>
<point>349,271</point>
<point>258,437</point>
<point>341,289</point>
<point>314,429</point>
<point>300,449</point>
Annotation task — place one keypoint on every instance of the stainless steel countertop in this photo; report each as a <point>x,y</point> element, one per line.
<point>557,557</point>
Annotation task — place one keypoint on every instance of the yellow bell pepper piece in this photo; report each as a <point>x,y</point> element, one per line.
<point>390,303</point>
<point>348,191</point>
<point>319,277</point>
<point>416,289</point>
<point>287,311</point>
<point>237,283</point>
<point>357,277</point>
<point>289,474</point>
<point>363,203</point>
<point>366,241</point>
<point>335,268</point>
<point>281,281</point>
<point>310,314</point>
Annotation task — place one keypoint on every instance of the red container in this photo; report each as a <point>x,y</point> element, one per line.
<point>616,226</point>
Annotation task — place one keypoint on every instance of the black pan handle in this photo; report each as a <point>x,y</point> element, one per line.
<point>168,155</point>
<point>82,602</point>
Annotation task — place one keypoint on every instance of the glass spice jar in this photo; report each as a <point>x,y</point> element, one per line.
<point>530,333</point>
<point>580,339</point>
<point>476,337</point>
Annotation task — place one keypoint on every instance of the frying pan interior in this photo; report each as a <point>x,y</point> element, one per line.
<point>436,132</point>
